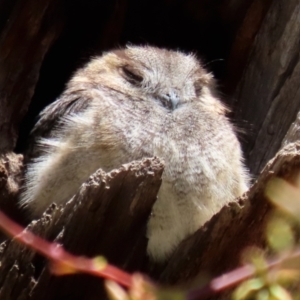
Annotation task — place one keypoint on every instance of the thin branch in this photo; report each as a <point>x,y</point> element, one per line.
<point>235,277</point>
<point>65,263</point>
<point>62,261</point>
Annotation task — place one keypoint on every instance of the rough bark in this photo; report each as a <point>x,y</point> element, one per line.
<point>267,97</point>
<point>11,167</point>
<point>264,49</point>
<point>293,133</point>
<point>244,38</point>
<point>218,246</point>
<point>23,46</point>
<point>107,216</point>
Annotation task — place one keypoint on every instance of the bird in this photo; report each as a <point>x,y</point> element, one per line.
<point>132,103</point>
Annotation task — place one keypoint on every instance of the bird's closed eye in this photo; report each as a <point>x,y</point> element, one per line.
<point>132,76</point>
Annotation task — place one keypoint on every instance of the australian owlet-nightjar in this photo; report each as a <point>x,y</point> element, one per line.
<point>130,104</point>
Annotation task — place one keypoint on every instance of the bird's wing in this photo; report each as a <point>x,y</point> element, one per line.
<point>52,116</point>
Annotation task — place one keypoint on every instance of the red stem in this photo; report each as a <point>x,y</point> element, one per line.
<point>57,254</point>
<point>233,278</point>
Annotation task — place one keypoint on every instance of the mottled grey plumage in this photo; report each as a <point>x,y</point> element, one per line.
<point>134,103</point>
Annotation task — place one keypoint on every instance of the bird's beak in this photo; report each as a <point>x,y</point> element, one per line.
<point>170,99</point>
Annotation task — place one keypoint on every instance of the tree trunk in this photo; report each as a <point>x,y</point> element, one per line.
<point>43,42</point>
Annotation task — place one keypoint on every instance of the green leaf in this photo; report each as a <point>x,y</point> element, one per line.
<point>279,293</point>
<point>247,288</point>
<point>279,234</point>
<point>285,196</point>
<point>263,295</point>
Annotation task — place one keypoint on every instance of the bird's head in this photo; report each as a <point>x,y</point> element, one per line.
<point>168,78</point>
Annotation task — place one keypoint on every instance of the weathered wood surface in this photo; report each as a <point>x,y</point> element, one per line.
<point>244,37</point>
<point>266,99</point>
<point>268,95</point>
<point>107,216</point>
<point>24,42</point>
<point>11,167</point>
<point>293,133</point>
<point>217,247</point>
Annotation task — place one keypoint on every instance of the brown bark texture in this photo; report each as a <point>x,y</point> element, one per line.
<point>109,213</point>
<point>24,42</point>
<point>113,227</point>
<point>268,95</point>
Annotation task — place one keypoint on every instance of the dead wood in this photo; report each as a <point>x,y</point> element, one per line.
<point>217,247</point>
<point>107,216</point>
<point>24,42</point>
<point>267,98</point>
